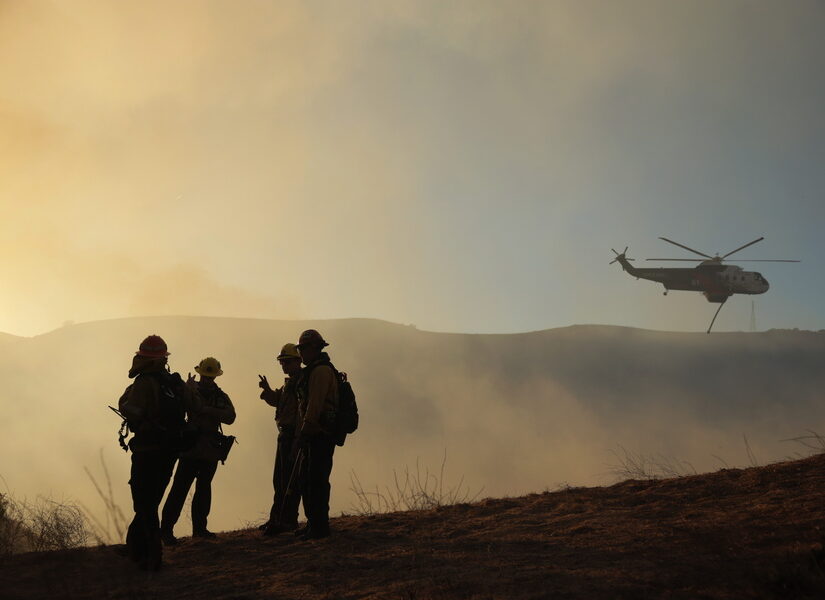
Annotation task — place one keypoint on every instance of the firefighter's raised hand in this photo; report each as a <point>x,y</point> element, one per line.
<point>268,395</point>
<point>190,379</point>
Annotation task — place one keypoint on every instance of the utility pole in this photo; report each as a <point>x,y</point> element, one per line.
<point>753,315</point>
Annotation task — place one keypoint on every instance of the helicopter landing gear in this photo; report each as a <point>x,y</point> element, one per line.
<point>665,293</point>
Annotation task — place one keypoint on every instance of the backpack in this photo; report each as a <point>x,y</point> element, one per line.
<point>344,420</point>
<point>170,426</point>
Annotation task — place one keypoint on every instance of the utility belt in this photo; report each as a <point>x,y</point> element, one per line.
<point>161,441</point>
<point>212,446</point>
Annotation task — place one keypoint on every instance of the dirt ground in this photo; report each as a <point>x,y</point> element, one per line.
<point>752,533</point>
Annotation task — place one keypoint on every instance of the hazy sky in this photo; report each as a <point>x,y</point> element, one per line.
<point>464,166</point>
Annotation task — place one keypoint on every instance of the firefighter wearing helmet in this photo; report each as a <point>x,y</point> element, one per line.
<point>317,401</point>
<point>283,516</point>
<point>198,464</point>
<point>154,406</point>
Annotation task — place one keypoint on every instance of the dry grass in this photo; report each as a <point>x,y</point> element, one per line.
<point>811,443</point>
<point>636,465</point>
<point>111,527</point>
<point>627,464</point>
<point>48,524</point>
<point>738,533</point>
<point>411,490</point>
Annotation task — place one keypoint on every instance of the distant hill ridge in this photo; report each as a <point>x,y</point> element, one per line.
<point>8,337</point>
<point>752,533</point>
<point>160,320</point>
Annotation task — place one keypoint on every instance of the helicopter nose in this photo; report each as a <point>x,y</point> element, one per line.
<point>767,285</point>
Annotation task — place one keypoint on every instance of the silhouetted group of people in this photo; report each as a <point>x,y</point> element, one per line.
<point>177,421</point>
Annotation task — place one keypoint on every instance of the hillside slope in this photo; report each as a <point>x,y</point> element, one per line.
<point>514,413</point>
<point>753,533</point>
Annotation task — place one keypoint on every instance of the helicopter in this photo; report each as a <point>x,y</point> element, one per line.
<point>716,280</point>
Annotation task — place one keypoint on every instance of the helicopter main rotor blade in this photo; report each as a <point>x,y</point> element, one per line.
<point>764,260</point>
<point>742,247</point>
<point>679,259</point>
<point>685,247</point>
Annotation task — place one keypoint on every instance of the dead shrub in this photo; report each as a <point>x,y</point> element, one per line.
<point>41,525</point>
<point>418,490</point>
<point>54,525</point>
<point>11,527</point>
<point>110,528</point>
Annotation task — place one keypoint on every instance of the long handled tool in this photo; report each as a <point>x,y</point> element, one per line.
<point>296,468</point>
<point>123,432</point>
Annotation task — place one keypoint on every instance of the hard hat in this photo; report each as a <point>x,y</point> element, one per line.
<point>310,337</point>
<point>210,367</point>
<point>153,347</point>
<point>289,351</point>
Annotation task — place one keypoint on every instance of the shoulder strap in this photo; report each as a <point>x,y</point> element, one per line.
<point>320,363</point>
<point>303,380</point>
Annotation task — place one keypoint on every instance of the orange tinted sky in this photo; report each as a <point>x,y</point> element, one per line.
<point>463,166</point>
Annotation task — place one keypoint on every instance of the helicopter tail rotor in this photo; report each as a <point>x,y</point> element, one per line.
<point>620,256</point>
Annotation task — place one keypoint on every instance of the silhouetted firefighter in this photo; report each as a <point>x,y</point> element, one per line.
<point>283,516</point>
<point>154,407</point>
<point>200,462</point>
<point>327,413</point>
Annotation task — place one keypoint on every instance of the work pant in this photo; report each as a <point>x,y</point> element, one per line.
<point>151,471</point>
<point>285,506</point>
<point>317,466</point>
<point>189,470</point>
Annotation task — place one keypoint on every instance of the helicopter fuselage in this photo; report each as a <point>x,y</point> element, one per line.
<point>715,280</point>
